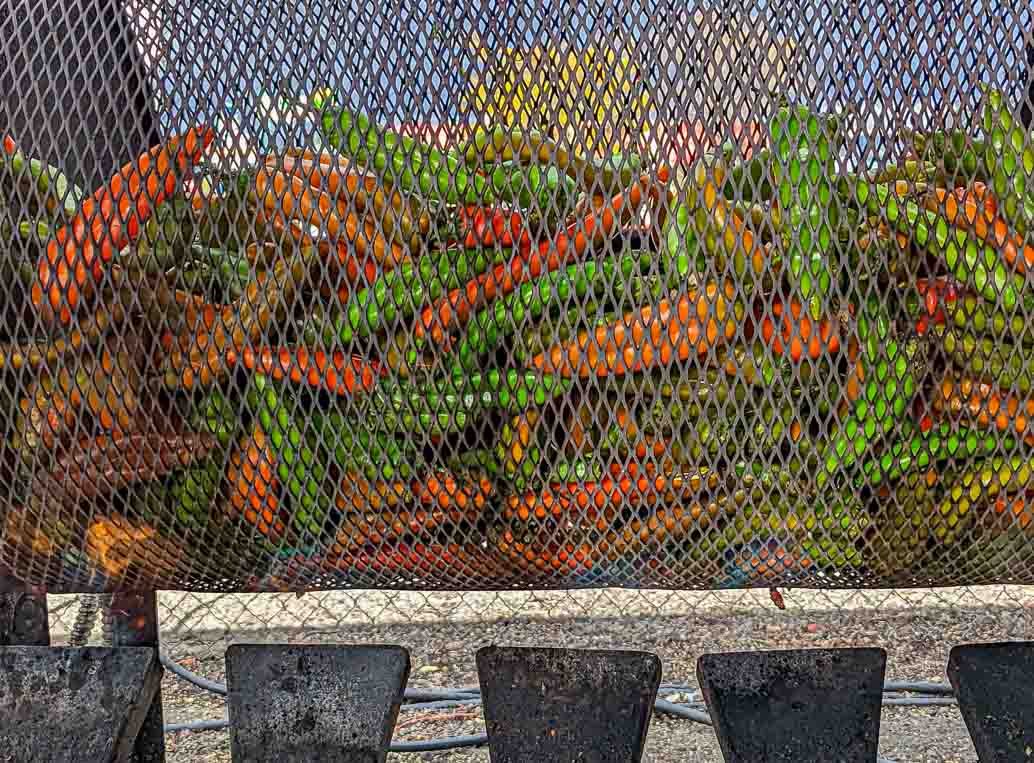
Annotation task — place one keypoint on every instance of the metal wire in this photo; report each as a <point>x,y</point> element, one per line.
<point>556,295</point>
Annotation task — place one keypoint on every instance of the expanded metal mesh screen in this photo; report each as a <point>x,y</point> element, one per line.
<point>516,295</point>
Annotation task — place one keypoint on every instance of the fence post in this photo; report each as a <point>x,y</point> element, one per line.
<point>134,622</point>
<point>73,704</point>
<point>996,699</point>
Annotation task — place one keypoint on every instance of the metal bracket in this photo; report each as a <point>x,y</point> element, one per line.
<point>996,697</point>
<point>78,704</point>
<point>24,620</point>
<point>296,704</point>
<point>560,704</point>
<point>810,705</point>
<point>133,618</point>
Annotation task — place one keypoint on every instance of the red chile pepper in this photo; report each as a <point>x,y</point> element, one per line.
<point>454,562</point>
<point>334,372</point>
<point>493,227</point>
<point>455,309</point>
<point>936,293</point>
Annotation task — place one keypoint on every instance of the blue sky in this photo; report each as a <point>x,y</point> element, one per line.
<point>408,61</point>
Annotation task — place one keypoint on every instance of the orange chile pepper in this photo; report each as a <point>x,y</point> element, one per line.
<point>798,333</point>
<point>645,446</point>
<point>196,355</point>
<point>361,269</point>
<point>976,208</point>
<point>986,405</point>
<point>326,172</point>
<point>289,197</point>
<point>543,547</point>
<point>1019,506</point>
<point>253,485</point>
<point>380,512</point>
<point>108,221</point>
<point>547,555</point>
<point>624,485</point>
<point>362,191</point>
<point>693,322</point>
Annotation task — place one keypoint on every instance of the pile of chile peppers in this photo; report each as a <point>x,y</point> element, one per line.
<point>504,362</point>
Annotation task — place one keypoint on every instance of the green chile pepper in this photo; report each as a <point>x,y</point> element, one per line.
<point>357,447</point>
<point>805,146</point>
<point>960,155</point>
<point>406,163</point>
<point>1009,155</point>
<point>608,177</point>
<point>750,180</point>
<point>446,405</point>
<point>534,299</point>
<point>193,492</point>
<point>33,186</point>
<point>544,191</point>
<point>973,263</point>
<point>1009,366</point>
<point>301,467</point>
<point>227,274</point>
<point>890,386</point>
<point>921,450</point>
<point>520,451</point>
<point>164,241</point>
<point>399,293</point>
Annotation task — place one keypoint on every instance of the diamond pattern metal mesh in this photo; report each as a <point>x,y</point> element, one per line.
<point>489,296</point>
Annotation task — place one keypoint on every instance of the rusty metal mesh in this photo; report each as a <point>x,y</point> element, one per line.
<point>515,295</point>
